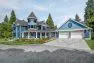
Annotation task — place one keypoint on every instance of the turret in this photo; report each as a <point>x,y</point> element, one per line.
<point>32,17</point>
<point>32,20</point>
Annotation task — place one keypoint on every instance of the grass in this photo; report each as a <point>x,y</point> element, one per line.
<point>23,41</point>
<point>90,43</point>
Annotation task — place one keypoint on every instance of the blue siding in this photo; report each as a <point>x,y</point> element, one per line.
<point>74,25</point>
<point>18,30</point>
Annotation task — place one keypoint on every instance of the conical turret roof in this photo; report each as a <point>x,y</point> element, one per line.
<point>32,15</point>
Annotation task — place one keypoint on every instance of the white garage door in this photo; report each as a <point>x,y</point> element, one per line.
<point>63,34</point>
<point>78,35</point>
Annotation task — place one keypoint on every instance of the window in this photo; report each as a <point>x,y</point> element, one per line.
<point>35,20</point>
<point>43,28</point>
<point>31,26</point>
<point>70,25</point>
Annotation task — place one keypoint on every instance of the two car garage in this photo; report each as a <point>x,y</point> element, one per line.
<point>71,35</point>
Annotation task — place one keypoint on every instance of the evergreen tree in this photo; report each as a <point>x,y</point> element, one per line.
<point>6,19</point>
<point>89,14</point>
<point>3,27</point>
<point>77,18</point>
<point>50,22</point>
<point>6,26</point>
<point>1,30</point>
<point>12,17</point>
<point>55,27</point>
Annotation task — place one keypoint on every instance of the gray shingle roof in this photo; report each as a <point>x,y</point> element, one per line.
<point>21,23</point>
<point>32,15</point>
<point>42,23</point>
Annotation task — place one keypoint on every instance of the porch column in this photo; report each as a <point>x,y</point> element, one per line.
<point>55,34</point>
<point>23,35</point>
<point>45,35</point>
<point>16,32</point>
<point>28,35</point>
<point>40,35</point>
<point>36,34</point>
<point>49,34</point>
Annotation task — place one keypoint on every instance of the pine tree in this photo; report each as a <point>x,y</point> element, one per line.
<point>11,21</point>
<point>6,19</point>
<point>55,27</point>
<point>1,30</point>
<point>12,17</point>
<point>77,18</point>
<point>6,26</point>
<point>50,22</point>
<point>89,15</point>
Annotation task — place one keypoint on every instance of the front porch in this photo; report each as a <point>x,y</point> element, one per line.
<point>38,34</point>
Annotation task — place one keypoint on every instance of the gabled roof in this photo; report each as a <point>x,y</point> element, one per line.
<point>42,23</point>
<point>32,15</point>
<point>21,23</point>
<point>83,25</point>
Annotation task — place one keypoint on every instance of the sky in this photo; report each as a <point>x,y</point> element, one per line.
<point>61,10</point>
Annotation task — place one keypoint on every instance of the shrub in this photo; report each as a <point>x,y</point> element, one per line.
<point>24,41</point>
<point>32,41</point>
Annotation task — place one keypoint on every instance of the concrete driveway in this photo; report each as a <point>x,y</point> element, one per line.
<point>78,44</point>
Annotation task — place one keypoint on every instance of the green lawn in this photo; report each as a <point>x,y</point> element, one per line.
<point>90,43</point>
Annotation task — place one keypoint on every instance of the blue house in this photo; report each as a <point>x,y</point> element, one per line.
<point>32,28</point>
<point>72,29</point>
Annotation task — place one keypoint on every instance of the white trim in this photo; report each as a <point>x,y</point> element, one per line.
<point>36,34</point>
<point>82,24</point>
<point>22,35</point>
<point>73,29</point>
<point>28,35</point>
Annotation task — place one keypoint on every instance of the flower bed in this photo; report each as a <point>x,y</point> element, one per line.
<point>25,41</point>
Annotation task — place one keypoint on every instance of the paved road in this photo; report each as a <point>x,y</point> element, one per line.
<point>57,56</point>
<point>78,44</point>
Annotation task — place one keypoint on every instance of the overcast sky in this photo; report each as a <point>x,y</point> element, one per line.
<point>61,10</point>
